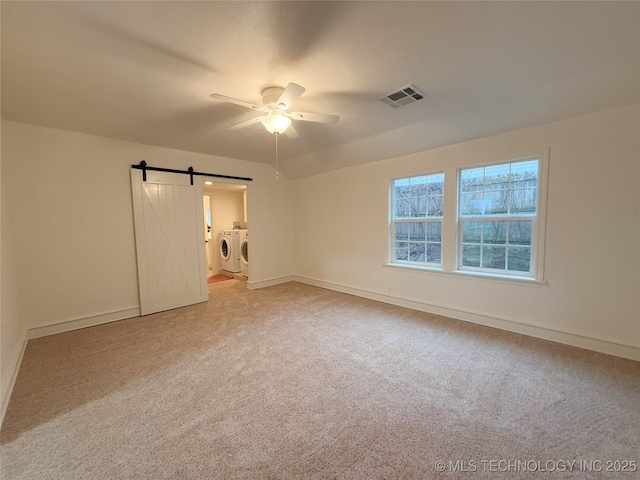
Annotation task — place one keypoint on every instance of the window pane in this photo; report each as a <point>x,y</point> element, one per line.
<point>435,184</point>
<point>495,232</point>
<point>402,251</point>
<point>471,179</point>
<point>471,204</point>
<point>497,176</point>
<point>435,206</point>
<point>471,232</point>
<point>524,174</point>
<point>520,232</point>
<point>417,231</point>
<point>402,231</point>
<point>493,257</point>
<point>471,255</point>
<point>418,186</point>
<point>434,231</point>
<point>401,187</point>
<point>410,242</point>
<point>499,189</point>
<point>519,259</point>
<point>496,202</point>
<point>523,200</point>
<point>401,209</point>
<point>433,253</point>
<point>416,251</point>
<point>420,207</point>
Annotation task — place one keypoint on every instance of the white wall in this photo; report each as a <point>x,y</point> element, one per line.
<point>227,207</point>
<point>12,333</point>
<point>73,257</point>
<point>593,231</point>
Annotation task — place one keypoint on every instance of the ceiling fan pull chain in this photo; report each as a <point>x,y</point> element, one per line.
<point>277,173</point>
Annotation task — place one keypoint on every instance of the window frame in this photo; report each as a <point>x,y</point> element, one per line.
<point>534,218</point>
<point>451,231</point>
<point>393,221</point>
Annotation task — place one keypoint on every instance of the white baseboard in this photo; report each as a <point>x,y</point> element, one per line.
<point>83,322</point>
<point>14,376</point>
<point>270,282</point>
<point>567,338</point>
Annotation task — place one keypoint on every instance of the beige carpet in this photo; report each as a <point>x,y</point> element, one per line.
<point>295,382</point>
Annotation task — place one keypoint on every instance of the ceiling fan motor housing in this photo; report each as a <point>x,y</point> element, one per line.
<point>270,97</point>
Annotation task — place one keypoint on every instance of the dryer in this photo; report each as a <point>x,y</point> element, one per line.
<point>244,253</point>
<point>230,251</point>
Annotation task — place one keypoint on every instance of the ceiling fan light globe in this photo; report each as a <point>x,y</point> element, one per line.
<point>276,124</point>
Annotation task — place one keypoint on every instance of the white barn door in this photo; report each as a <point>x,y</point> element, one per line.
<point>169,241</point>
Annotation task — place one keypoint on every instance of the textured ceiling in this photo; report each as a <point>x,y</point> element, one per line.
<point>143,71</point>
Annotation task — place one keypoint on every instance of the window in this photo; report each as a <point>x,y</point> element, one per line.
<point>416,220</point>
<point>497,217</point>
<point>485,221</point>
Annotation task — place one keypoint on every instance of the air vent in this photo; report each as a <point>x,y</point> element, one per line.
<point>403,96</point>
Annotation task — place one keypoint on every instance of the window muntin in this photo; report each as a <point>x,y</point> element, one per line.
<point>498,217</point>
<point>416,220</point>
<point>497,244</point>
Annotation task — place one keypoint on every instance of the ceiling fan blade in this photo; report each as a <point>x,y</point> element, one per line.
<point>290,95</point>
<point>246,123</point>
<point>291,132</point>
<point>315,117</point>
<point>224,98</point>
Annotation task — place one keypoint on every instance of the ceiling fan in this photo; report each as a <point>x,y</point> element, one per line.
<point>276,118</point>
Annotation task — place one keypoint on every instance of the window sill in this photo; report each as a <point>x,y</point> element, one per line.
<point>526,281</point>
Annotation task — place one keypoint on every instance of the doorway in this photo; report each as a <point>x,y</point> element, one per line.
<point>225,226</point>
<point>170,259</point>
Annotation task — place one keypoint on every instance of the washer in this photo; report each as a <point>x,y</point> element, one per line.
<point>244,253</point>
<point>230,251</point>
